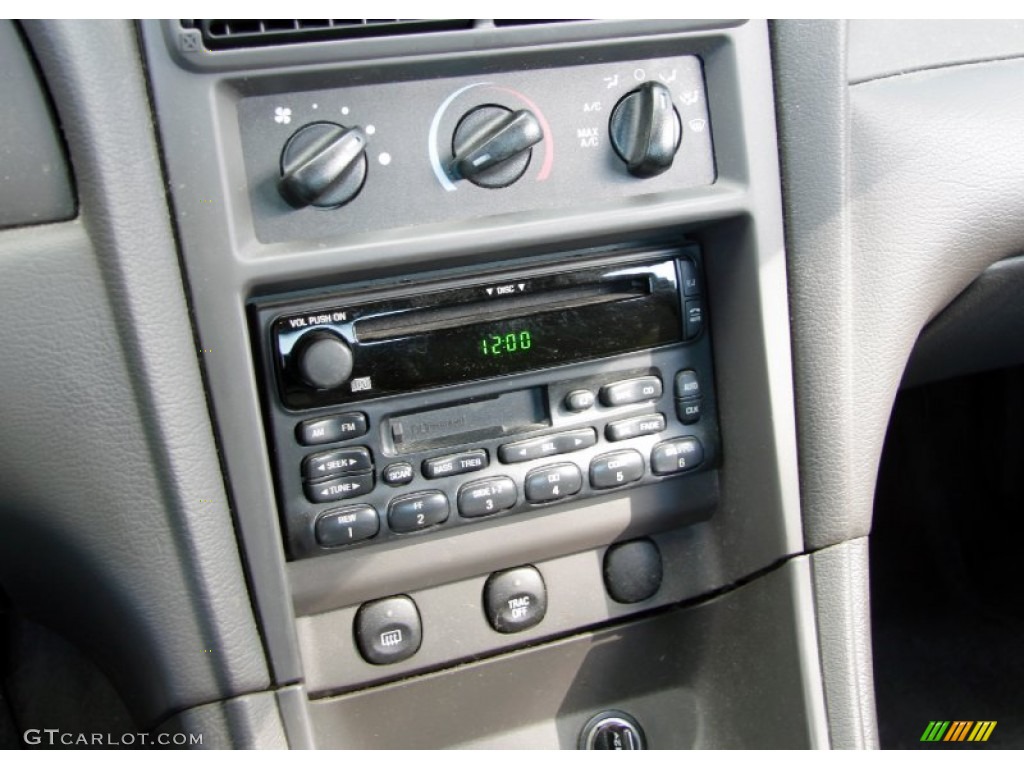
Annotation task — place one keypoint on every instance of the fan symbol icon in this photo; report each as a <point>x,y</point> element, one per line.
<point>282,115</point>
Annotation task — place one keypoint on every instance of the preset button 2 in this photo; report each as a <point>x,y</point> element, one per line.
<point>417,511</point>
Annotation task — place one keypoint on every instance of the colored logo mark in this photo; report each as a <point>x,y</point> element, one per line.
<point>958,730</point>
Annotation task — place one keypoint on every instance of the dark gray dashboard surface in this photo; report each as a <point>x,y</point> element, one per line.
<point>114,523</point>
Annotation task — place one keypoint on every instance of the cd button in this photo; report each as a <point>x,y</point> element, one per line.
<point>344,461</point>
<point>332,429</point>
<point>615,469</point>
<point>635,426</point>
<point>417,511</point>
<point>339,488</point>
<point>487,497</point>
<point>631,391</point>
<point>347,525</point>
<point>397,474</point>
<point>555,482</point>
<point>677,455</point>
<point>446,466</point>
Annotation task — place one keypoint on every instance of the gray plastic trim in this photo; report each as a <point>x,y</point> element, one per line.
<point>738,671</point>
<point>887,47</point>
<point>116,530</point>
<point>252,721</point>
<point>35,179</point>
<point>485,37</point>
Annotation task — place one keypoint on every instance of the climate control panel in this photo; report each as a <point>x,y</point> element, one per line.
<point>363,157</point>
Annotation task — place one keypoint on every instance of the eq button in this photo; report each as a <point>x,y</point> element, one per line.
<point>417,511</point>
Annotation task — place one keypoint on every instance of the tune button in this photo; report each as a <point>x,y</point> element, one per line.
<point>339,488</point>
<point>557,481</point>
<point>417,511</point>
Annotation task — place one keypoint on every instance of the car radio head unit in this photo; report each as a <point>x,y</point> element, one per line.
<point>396,412</point>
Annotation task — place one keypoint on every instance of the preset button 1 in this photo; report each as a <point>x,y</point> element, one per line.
<point>347,525</point>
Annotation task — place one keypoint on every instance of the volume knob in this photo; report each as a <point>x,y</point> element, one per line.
<point>324,360</point>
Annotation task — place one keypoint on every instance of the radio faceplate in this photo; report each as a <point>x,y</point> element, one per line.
<point>631,403</point>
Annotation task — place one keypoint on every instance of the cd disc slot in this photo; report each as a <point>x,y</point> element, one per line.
<point>424,319</point>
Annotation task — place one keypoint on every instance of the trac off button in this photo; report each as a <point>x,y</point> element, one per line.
<point>515,599</point>
<point>679,455</point>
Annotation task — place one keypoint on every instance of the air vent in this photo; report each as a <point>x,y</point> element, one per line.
<point>219,34</point>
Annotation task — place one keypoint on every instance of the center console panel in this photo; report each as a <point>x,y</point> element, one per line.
<point>497,351</point>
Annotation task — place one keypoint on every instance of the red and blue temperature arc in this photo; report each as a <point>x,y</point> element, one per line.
<point>433,146</point>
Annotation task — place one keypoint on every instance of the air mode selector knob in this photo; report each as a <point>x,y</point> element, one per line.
<point>645,130</point>
<point>323,165</point>
<point>492,145</point>
<point>323,360</point>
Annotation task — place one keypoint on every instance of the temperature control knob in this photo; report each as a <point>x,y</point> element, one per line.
<point>323,165</point>
<point>645,130</point>
<point>323,360</point>
<point>492,145</point>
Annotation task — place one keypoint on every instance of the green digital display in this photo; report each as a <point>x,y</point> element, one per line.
<point>512,343</point>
